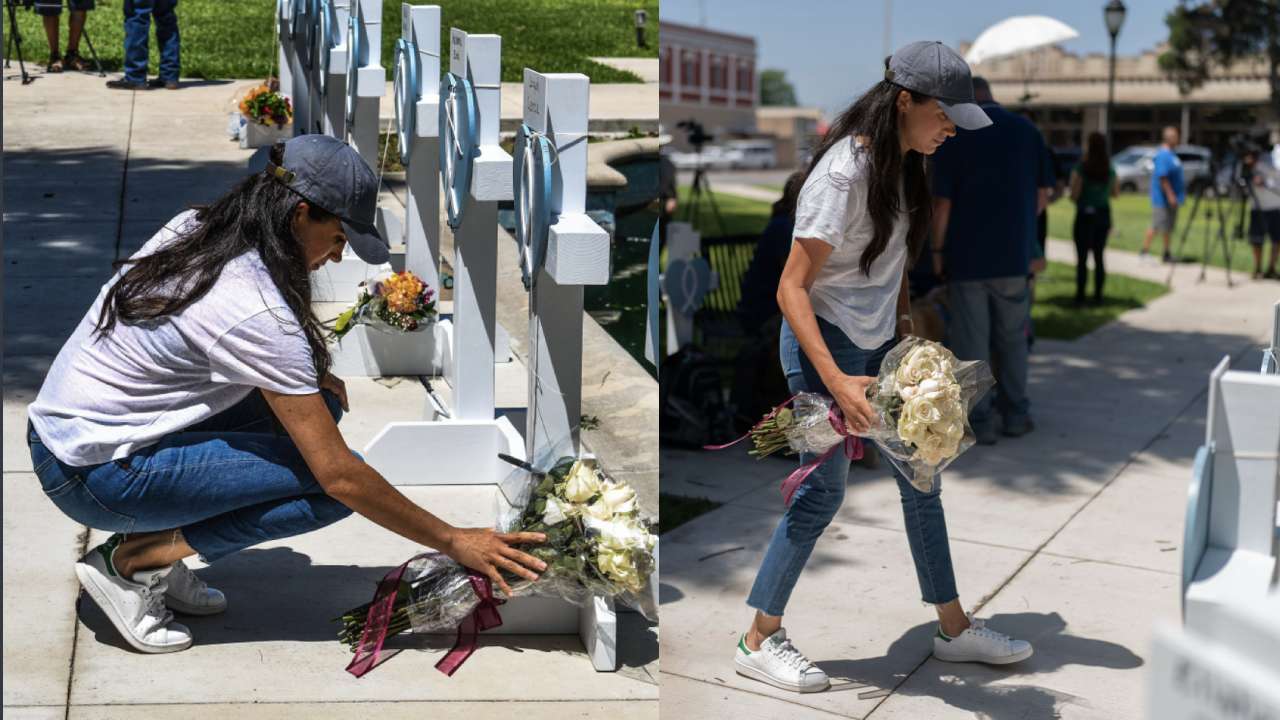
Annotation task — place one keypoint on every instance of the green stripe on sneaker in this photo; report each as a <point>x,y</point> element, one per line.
<point>943,635</point>
<point>107,549</point>
<point>742,644</point>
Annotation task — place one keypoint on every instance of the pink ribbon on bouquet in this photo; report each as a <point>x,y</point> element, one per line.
<point>484,617</point>
<point>852,447</point>
<point>377,622</point>
<point>852,450</point>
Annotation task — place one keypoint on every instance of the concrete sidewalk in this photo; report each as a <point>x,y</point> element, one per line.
<point>90,174</point>
<point>1069,537</point>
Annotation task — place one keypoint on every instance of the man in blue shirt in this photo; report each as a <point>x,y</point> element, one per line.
<point>1167,193</point>
<point>989,185</point>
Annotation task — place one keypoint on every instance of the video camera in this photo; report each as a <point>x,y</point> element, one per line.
<point>695,133</point>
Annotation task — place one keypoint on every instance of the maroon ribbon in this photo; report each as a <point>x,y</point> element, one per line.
<point>377,622</point>
<point>852,447</point>
<point>852,450</point>
<point>484,617</point>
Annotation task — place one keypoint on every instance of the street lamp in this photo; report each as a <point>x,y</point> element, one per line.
<point>1113,13</point>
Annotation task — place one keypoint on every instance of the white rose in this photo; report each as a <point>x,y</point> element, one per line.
<point>582,484</point>
<point>624,533</point>
<point>619,567</point>
<point>619,497</point>
<point>924,408</point>
<point>557,511</point>
<point>598,510</point>
<point>906,392</point>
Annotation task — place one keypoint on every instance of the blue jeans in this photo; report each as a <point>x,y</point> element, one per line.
<point>229,482</point>
<point>818,499</point>
<point>989,322</point>
<point>137,28</point>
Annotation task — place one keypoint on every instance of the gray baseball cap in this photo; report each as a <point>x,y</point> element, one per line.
<point>931,68</point>
<point>331,174</point>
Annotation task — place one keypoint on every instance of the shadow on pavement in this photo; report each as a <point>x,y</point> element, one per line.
<point>277,594</point>
<point>989,692</point>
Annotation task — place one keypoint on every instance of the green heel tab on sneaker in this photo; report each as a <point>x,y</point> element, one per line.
<point>107,550</point>
<point>944,635</point>
<point>742,644</point>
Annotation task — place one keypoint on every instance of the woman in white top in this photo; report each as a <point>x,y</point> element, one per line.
<point>192,410</point>
<point>862,215</point>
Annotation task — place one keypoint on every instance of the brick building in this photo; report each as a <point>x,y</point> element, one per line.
<point>706,76</point>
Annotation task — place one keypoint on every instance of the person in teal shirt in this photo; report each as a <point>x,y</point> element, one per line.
<point>1167,192</point>
<point>1093,184</point>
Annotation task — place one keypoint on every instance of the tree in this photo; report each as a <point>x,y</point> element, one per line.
<point>1221,32</point>
<point>775,89</point>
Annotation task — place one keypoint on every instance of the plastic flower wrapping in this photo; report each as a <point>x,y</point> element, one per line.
<point>396,302</point>
<point>921,398</point>
<point>266,107</point>
<point>597,544</point>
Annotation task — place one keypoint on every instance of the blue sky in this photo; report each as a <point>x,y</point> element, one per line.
<point>832,50</point>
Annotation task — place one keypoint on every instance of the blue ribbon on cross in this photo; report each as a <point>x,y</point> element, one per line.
<point>532,183</point>
<point>353,64</point>
<point>407,94</point>
<point>458,142</point>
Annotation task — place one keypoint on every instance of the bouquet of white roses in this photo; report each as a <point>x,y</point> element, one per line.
<point>597,544</point>
<point>921,397</point>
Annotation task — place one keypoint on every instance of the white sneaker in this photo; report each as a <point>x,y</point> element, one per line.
<point>191,595</point>
<point>978,643</point>
<point>780,664</point>
<point>136,608</point>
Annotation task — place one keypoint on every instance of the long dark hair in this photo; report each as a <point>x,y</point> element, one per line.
<point>1096,166</point>
<point>256,215</point>
<point>888,170</point>
<point>786,205</point>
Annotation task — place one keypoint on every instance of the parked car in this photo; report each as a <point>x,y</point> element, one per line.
<point>1134,166</point>
<point>713,157</point>
<point>753,154</point>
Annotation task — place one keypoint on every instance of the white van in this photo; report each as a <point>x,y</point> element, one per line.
<point>752,154</point>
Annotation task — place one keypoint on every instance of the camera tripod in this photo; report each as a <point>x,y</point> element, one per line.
<point>1233,198</point>
<point>700,186</point>
<point>15,40</point>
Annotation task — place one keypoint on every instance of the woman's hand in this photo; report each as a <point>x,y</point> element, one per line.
<point>487,552</point>
<point>336,386</point>
<point>850,393</point>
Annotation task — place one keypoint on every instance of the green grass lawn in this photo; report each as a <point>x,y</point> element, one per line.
<point>1131,216</point>
<point>676,510</point>
<point>234,38</point>
<point>1053,312</point>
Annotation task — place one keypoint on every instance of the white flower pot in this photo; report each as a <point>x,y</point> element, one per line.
<point>256,135</point>
<point>370,352</point>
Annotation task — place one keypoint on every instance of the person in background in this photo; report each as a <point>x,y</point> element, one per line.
<point>1264,213</point>
<point>758,381</point>
<point>1093,184</point>
<point>137,28</point>
<point>988,188</point>
<point>1167,193</point>
<point>49,11</point>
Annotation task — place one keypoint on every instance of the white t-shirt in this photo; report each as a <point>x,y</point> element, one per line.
<point>1267,195</point>
<point>106,398</point>
<point>832,207</point>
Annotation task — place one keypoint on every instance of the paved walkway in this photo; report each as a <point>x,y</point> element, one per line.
<point>1069,537</point>
<point>90,174</point>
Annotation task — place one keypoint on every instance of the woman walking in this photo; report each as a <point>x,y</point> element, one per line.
<point>1093,184</point>
<point>863,212</point>
<point>192,410</point>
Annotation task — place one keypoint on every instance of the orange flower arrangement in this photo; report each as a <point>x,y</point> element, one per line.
<point>266,107</point>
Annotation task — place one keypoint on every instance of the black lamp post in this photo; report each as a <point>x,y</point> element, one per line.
<point>1113,13</point>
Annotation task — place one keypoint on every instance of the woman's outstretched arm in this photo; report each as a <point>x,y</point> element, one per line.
<point>351,481</point>
<point>807,257</point>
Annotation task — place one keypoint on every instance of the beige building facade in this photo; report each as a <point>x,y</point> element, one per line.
<point>1067,96</point>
